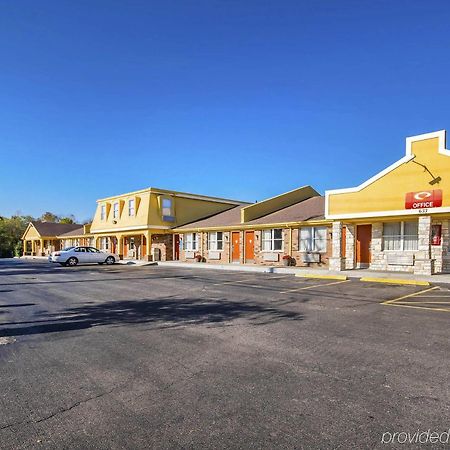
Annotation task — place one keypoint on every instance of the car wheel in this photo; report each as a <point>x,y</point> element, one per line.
<point>110,260</point>
<point>72,261</point>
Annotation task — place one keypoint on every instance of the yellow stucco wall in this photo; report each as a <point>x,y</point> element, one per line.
<point>273,204</point>
<point>185,210</point>
<point>149,213</point>
<point>140,219</point>
<point>31,233</point>
<point>388,192</point>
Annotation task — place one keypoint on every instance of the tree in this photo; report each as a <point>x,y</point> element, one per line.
<point>68,219</point>
<point>11,231</point>
<point>49,217</point>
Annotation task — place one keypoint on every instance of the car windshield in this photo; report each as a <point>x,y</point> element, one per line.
<point>67,249</point>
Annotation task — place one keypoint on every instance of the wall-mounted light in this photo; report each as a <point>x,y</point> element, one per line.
<point>426,169</point>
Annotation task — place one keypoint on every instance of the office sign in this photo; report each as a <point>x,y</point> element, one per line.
<point>423,199</point>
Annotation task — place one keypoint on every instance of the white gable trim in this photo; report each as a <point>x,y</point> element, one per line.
<point>441,134</point>
<point>27,229</point>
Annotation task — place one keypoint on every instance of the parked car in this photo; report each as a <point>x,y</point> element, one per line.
<point>71,256</point>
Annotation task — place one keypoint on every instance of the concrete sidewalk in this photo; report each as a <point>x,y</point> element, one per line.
<point>302,271</point>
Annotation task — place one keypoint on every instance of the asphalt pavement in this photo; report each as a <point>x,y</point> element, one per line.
<point>161,357</point>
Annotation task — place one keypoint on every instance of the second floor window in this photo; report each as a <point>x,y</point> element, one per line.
<point>190,242</point>
<point>116,210</point>
<point>103,212</point>
<point>272,240</point>
<point>131,207</point>
<point>167,207</point>
<point>215,240</point>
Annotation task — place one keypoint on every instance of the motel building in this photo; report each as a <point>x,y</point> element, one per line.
<point>138,225</point>
<point>397,220</point>
<point>289,229</point>
<point>42,238</point>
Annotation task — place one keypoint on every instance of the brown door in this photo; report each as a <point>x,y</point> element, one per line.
<point>235,251</point>
<point>144,247</point>
<point>249,246</point>
<point>344,242</point>
<point>176,243</point>
<point>363,239</point>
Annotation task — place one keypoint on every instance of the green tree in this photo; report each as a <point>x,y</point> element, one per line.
<point>11,231</point>
<point>68,219</point>
<point>49,217</point>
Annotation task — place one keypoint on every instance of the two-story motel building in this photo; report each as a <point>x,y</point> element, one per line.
<point>398,220</point>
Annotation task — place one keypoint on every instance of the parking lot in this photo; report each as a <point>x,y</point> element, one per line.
<point>162,357</point>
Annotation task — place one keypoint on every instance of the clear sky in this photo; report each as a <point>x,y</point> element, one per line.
<point>236,98</point>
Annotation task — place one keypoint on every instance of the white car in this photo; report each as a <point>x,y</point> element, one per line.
<point>71,256</point>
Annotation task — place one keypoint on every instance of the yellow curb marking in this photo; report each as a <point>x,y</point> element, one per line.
<point>428,303</point>
<point>322,277</point>
<point>234,281</point>
<point>314,286</point>
<point>395,281</point>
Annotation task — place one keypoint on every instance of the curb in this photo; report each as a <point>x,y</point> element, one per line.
<point>395,281</point>
<point>230,267</point>
<point>322,277</point>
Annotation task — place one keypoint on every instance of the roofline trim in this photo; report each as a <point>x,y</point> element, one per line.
<point>254,226</point>
<point>399,212</point>
<point>441,135</point>
<point>176,194</point>
<point>30,224</point>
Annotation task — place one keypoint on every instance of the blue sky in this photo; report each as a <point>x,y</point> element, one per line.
<point>240,99</point>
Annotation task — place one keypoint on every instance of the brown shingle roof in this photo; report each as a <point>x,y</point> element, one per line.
<point>77,232</point>
<point>54,229</point>
<point>226,218</point>
<point>312,208</point>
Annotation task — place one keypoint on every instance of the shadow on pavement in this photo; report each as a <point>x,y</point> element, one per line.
<point>164,313</point>
<point>16,305</point>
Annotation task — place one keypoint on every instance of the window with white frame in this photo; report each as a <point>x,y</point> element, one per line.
<point>131,207</point>
<point>313,239</point>
<point>105,243</point>
<point>103,212</point>
<point>167,207</point>
<point>116,210</point>
<point>215,240</point>
<point>401,236</point>
<point>191,242</point>
<point>272,240</point>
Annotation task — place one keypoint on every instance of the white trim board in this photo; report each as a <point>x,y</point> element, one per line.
<point>441,134</point>
<point>143,228</point>
<point>399,212</point>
